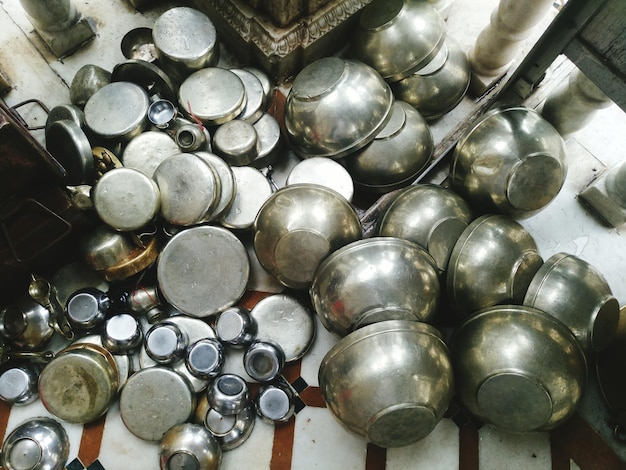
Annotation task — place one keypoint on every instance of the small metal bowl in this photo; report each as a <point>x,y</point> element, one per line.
<point>517,368</point>
<point>390,382</point>
<point>39,443</point>
<point>493,262</point>
<point>299,226</point>
<point>430,215</point>
<point>372,280</point>
<point>231,431</point>
<point>336,107</point>
<point>510,161</point>
<point>137,44</point>
<point>189,445</point>
<point>397,37</point>
<point>398,154</point>
<point>439,87</point>
<point>576,293</point>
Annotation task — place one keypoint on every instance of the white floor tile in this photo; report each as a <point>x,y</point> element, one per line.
<point>499,450</point>
<point>256,452</point>
<point>324,340</point>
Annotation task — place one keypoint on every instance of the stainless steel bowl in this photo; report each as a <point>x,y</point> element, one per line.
<point>390,382</point>
<point>299,226</point>
<point>518,368</point>
<point>189,445</point>
<point>396,156</point>
<point>439,87</point>
<point>430,215</point>
<point>373,280</point>
<point>335,107</point>
<point>575,292</point>
<point>39,443</point>
<point>493,262</point>
<point>510,161</point>
<point>398,37</point>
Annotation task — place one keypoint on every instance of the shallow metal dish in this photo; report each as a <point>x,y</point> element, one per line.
<point>373,280</point>
<point>390,382</point>
<point>299,226</point>
<point>335,107</point>
<point>517,368</point>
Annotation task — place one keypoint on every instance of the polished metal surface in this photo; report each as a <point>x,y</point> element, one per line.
<point>18,382</point>
<point>126,199</point>
<point>80,383</point>
<point>40,443</point>
<point>137,44</point>
<point>104,248</point>
<point>235,327</point>
<point>372,280</point>
<point>572,290</point>
<point>189,188</point>
<point>510,161</point>
<point>87,80</point>
<point>191,136</point>
<point>213,95</point>
<point>270,143</point>
<point>122,360</point>
<point>205,358</point>
<point>275,403</point>
<point>396,156</point>
<point>255,96</point>
<point>185,40</point>
<point>323,171</point>
<point>87,308</point>
<point>227,184</point>
<point>286,321</point>
<point>117,112</point>
<point>148,76</point>
<point>236,142</point>
<point>298,227</point>
<point>26,324</point>
<point>203,270</point>
<point>252,189</point>
<point>430,215</point>
<point>437,92</point>
<point>228,394</point>
<point>397,37</point>
<point>69,145</point>
<point>518,368</point>
<point>231,431</point>
<point>493,262</point>
<point>266,83</point>
<point>264,360</point>
<point>161,113</point>
<point>389,382</point>
<point>146,151</point>
<point>190,447</point>
<point>165,343</point>
<point>69,112</point>
<point>335,107</point>
<point>122,334</point>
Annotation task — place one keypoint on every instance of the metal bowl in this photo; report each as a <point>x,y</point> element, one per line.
<point>511,161</point>
<point>299,226</point>
<point>373,280</point>
<point>40,443</point>
<point>576,293</point>
<point>502,375</point>
<point>429,215</point>
<point>398,154</point>
<point>398,37</point>
<point>390,382</point>
<point>439,87</point>
<point>493,262</point>
<point>335,107</point>
<point>189,445</point>
<point>137,44</point>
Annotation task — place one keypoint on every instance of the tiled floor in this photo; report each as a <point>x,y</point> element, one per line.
<point>314,439</point>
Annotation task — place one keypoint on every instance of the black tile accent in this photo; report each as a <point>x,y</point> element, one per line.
<point>299,385</point>
<point>75,465</point>
<point>299,404</point>
<point>96,465</point>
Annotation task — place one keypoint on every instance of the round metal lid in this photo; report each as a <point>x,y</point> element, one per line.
<point>214,95</point>
<point>126,199</point>
<point>185,35</point>
<point>79,384</point>
<point>268,132</point>
<point>146,151</point>
<point>189,188</point>
<point>325,172</point>
<point>68,144</point>
<point>195,330</point>
<point>252,190</point>
<point>117,111</point>
<point>66,112</point>
<point>227,184</point>
<point>203,270</point>
<point>39,443</point>
<point>154,400</point>
<point>236,142</point>
<point>255,95</point>
<point>286,321</point>
<point>147,75</point>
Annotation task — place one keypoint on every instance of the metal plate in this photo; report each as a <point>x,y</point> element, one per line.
<point>286,321</point>
<point>146,151</point>
<point>268,131</point>
<point>68,144</point>
<point>203,270</point>
<point>255,96</point>
<point>325,172</point>
<point>252,190</point>
<point>227,184</point>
